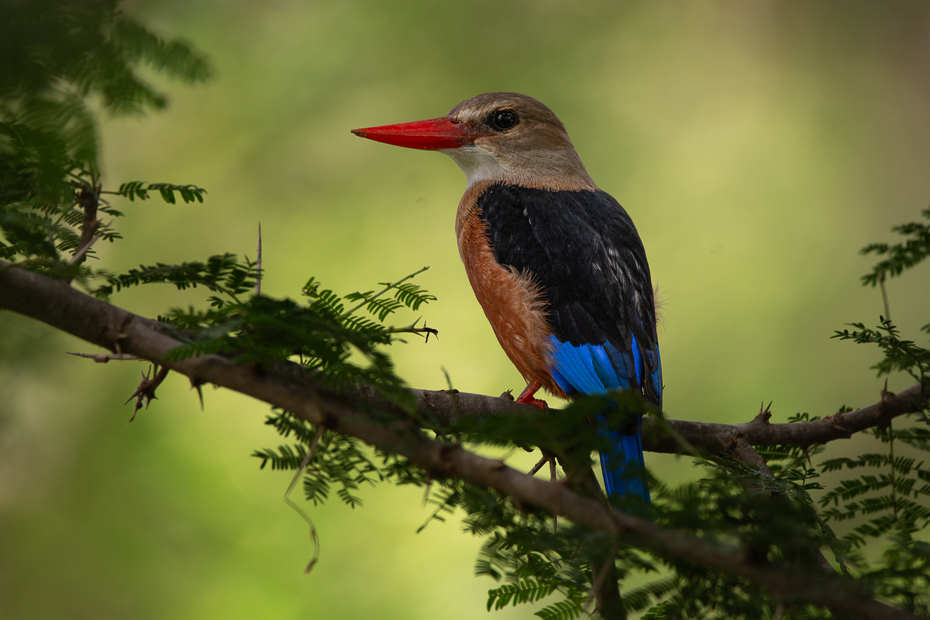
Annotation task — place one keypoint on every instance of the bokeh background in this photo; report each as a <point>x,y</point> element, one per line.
<point>757,145</point>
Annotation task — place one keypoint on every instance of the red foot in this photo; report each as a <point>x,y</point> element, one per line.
<point>526,396</point>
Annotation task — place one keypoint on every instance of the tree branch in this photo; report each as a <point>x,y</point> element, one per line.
<point>290,388</point>
<point>711,437</point>
<point>445,407</point>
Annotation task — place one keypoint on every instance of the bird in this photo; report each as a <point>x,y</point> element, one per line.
<point>556,263</point>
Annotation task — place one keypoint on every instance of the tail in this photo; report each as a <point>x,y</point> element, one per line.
<point>624,468</point>
<point>597,369</point>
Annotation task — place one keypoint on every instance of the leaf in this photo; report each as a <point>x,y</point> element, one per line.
<point>526,591</point>
<point>562,610</point>
<point>901,256</point>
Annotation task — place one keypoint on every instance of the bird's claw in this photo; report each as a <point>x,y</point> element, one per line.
<point>526,396</point>
<point>535,402</point>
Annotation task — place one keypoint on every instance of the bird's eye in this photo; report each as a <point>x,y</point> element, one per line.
<point>503,119</point>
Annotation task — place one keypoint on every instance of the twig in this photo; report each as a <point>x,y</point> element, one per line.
<point>596,585</point>
<point>742,451</point>
<point>413,329</point>
<point>538,466</point>
<point>553,478</point>
<point>881,283</point>
<point>287,499</point>
<point>380,293</point>
<point>103,358</point>
<point>88,198</point>
<point>82,251</point>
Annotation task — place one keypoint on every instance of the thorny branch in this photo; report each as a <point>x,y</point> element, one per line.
<point>145,392</point>
<point>291,388</point>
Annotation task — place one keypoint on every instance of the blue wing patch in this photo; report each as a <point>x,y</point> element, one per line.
<point>588,368</point>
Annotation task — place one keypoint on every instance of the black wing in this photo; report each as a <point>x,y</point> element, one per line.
<point>583,250</point>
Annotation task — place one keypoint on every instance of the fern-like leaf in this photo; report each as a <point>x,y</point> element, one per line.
<point>562,610</point>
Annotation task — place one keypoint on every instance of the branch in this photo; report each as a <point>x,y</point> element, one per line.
<point>103,358</point>
<point>714,438</point>
<point>85,247</point>
<point>89,198</point>
<point>291,388</point>
<point>445,407</point>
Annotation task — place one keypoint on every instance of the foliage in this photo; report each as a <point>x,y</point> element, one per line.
<point>50,199</point>
<point>337,460</point>
<point>900,256</point>
<point>54,55</point>
<point>899,355</point>
<point>888,502</point>
<point>140,190</point>
<point>318,333</point>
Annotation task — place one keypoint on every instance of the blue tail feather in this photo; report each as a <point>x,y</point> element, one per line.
<point>597,369</point>
<point>623,468</point>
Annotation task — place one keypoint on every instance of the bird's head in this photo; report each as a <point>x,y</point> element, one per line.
<point>505,137</point>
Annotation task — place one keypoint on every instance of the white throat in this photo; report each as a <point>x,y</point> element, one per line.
<point>477,164</point>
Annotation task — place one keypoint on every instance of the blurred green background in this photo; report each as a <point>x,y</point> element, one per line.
<point>757,145</point>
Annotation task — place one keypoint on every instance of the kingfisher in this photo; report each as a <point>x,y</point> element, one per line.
<point>556,263</point>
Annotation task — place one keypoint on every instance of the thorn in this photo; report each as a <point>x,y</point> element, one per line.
<point>807,455</point>
<point>765,413</point>
<point>429,331</point>
<point>145,391</point>
<point>423,330</point>
<point>258,268</point>
<point>144,379</point>
<point>885,393</point>
<point>197,384</point>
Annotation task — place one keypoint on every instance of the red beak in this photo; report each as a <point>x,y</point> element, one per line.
<point>431,135</point>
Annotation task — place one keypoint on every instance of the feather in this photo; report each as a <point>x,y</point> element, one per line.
<point>584,254</point>
<point>589,369</point>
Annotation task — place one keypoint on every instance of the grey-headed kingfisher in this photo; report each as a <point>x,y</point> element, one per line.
<point>555,263</point>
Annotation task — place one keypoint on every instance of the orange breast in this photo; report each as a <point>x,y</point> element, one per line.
<point>512,301</point>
